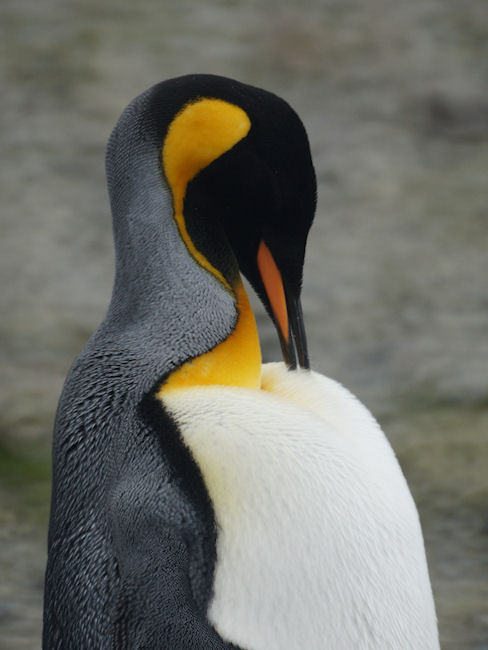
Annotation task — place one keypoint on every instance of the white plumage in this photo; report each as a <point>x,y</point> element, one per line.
<point>319,542</point>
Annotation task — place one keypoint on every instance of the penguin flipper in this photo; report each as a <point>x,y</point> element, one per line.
<point>155,607</point>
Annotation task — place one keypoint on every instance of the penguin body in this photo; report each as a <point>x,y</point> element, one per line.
<point>202,500</point>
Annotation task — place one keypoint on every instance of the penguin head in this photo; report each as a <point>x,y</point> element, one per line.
<point>252,200</point>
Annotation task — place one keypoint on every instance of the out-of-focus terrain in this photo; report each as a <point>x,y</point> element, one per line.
<point>395,100</point>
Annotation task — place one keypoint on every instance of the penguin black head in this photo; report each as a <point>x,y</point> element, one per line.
<point>262,193</point>
<point>237,162</point>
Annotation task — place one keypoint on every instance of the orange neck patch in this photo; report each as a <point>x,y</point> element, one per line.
<point>200,133</point>
<point>234,362</point>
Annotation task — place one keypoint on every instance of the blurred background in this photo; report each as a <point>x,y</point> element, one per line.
<point>394,96</point>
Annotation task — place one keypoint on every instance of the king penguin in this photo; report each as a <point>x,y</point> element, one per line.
<point>201,499</point>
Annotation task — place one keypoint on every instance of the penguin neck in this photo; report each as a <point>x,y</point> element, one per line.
<point>236,361</point>
<point>150,258</point>
<point>206,331</point>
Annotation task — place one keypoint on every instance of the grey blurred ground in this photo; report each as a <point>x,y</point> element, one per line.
<point>395,99</point>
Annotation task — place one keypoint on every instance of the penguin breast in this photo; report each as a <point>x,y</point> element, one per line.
<point>319,543</point>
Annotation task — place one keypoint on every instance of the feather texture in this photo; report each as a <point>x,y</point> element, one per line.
<point>319,542</point>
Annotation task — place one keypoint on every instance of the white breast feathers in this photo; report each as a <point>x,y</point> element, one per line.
<point>319,542</point>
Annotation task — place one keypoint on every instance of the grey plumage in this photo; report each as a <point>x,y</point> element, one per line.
<point>132,535</point>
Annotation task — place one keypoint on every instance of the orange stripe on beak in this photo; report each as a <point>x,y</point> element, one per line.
<point>273,284</point>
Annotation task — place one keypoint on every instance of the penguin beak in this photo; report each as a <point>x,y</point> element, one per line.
<point>297,327</point>
<point>286,309</point>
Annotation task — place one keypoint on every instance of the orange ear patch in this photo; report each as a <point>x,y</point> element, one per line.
<point>200,133</point>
